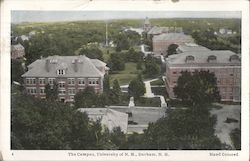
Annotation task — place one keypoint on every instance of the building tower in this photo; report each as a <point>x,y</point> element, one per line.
<point>146,25</point>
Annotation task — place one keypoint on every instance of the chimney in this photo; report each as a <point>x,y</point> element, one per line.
<point>76,65</point>
<point>47,65</point>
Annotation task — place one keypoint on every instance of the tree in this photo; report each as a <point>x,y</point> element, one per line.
<point>151,67</point>
<point>172,49</point>
<point>133,56</point>
<point>197,88</point>
<point>183,129</point>
<point>51,92</point>
<point>50,125</point>
<point>92,52</point>
<point>116,92</point>
<point>122,42</point>
<point>136,88</point>
<point>16,71</point>
<point>106,84</point>
<point>117,62</point>
<point>118,138</point>
<point>102,100</point>
<point>85,99</point>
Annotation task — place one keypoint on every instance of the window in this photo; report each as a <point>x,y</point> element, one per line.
<point>51,81</point>
<point>41,81</point>
<point>42,91</point>
<point>31,81</point>
<point>81,81</point>
<point>71,91</point>
<point>234,58</point>
<point>31,90</point>
<point>61,84</point>
<point>93,81</point>
<point>71,81</point>
<point>189,58</point>
<point>211,59</point>
<point>62,92</point>
<point>60,72</point>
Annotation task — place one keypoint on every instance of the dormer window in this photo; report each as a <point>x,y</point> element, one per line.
<point>189,59</point>
<point>211,59</point>
<point>234,59</point>
<point>60,72</point>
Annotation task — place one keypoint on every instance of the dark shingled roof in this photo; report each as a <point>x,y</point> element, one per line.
<point>85,67</point>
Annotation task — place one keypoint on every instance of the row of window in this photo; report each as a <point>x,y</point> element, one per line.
<point>71,81</point>
<point>217,72</point>
<point>71,91</point>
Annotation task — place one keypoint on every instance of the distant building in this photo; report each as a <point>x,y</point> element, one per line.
<point>71,73</point>
<point>109,118</point>
<point>146,25</point>
<point>225,32</point>
<point>161,42</point>
<point>137,30</point>
<point>189,47</point>
<point>156,30</point>
<point>225,64</point>
<point>17,51</point>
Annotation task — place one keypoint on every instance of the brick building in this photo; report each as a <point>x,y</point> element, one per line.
<point>162,41</point>
<point>225,64</point>
<point>17,51</point>
<point>71,73</point>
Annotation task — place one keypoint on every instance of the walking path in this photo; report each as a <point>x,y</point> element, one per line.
<point>149,93</point>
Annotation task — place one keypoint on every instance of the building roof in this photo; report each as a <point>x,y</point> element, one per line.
<point>222,56</point>
<point>173,37</point>
<point>17,47</point>
<point>137,30</point>
<point>109,118</point>
<point>75,66</point>
<point>158,30</point>
<point>189,47</point>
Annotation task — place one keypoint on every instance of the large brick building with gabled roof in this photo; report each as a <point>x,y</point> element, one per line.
<point>71,73</point>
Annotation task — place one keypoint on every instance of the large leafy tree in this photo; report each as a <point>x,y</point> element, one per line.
<point>184,129</point>
<point>151,67</point>
<point>136,87</point>
<point>117,62</point>
<point>16,70</point>
<point>51,91</point>
<point>92,51</point>
<point>197,88</point>
<point>51,125</point>
<point>86,99</point>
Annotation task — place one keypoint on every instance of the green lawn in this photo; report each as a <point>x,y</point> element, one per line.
<point>125,76</point>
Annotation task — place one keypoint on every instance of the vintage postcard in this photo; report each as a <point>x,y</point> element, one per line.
<point>125,80</point>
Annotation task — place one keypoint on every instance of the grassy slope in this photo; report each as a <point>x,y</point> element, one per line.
<point>125,76</point>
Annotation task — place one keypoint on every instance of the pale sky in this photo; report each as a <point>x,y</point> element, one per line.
<point>50,16</point>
